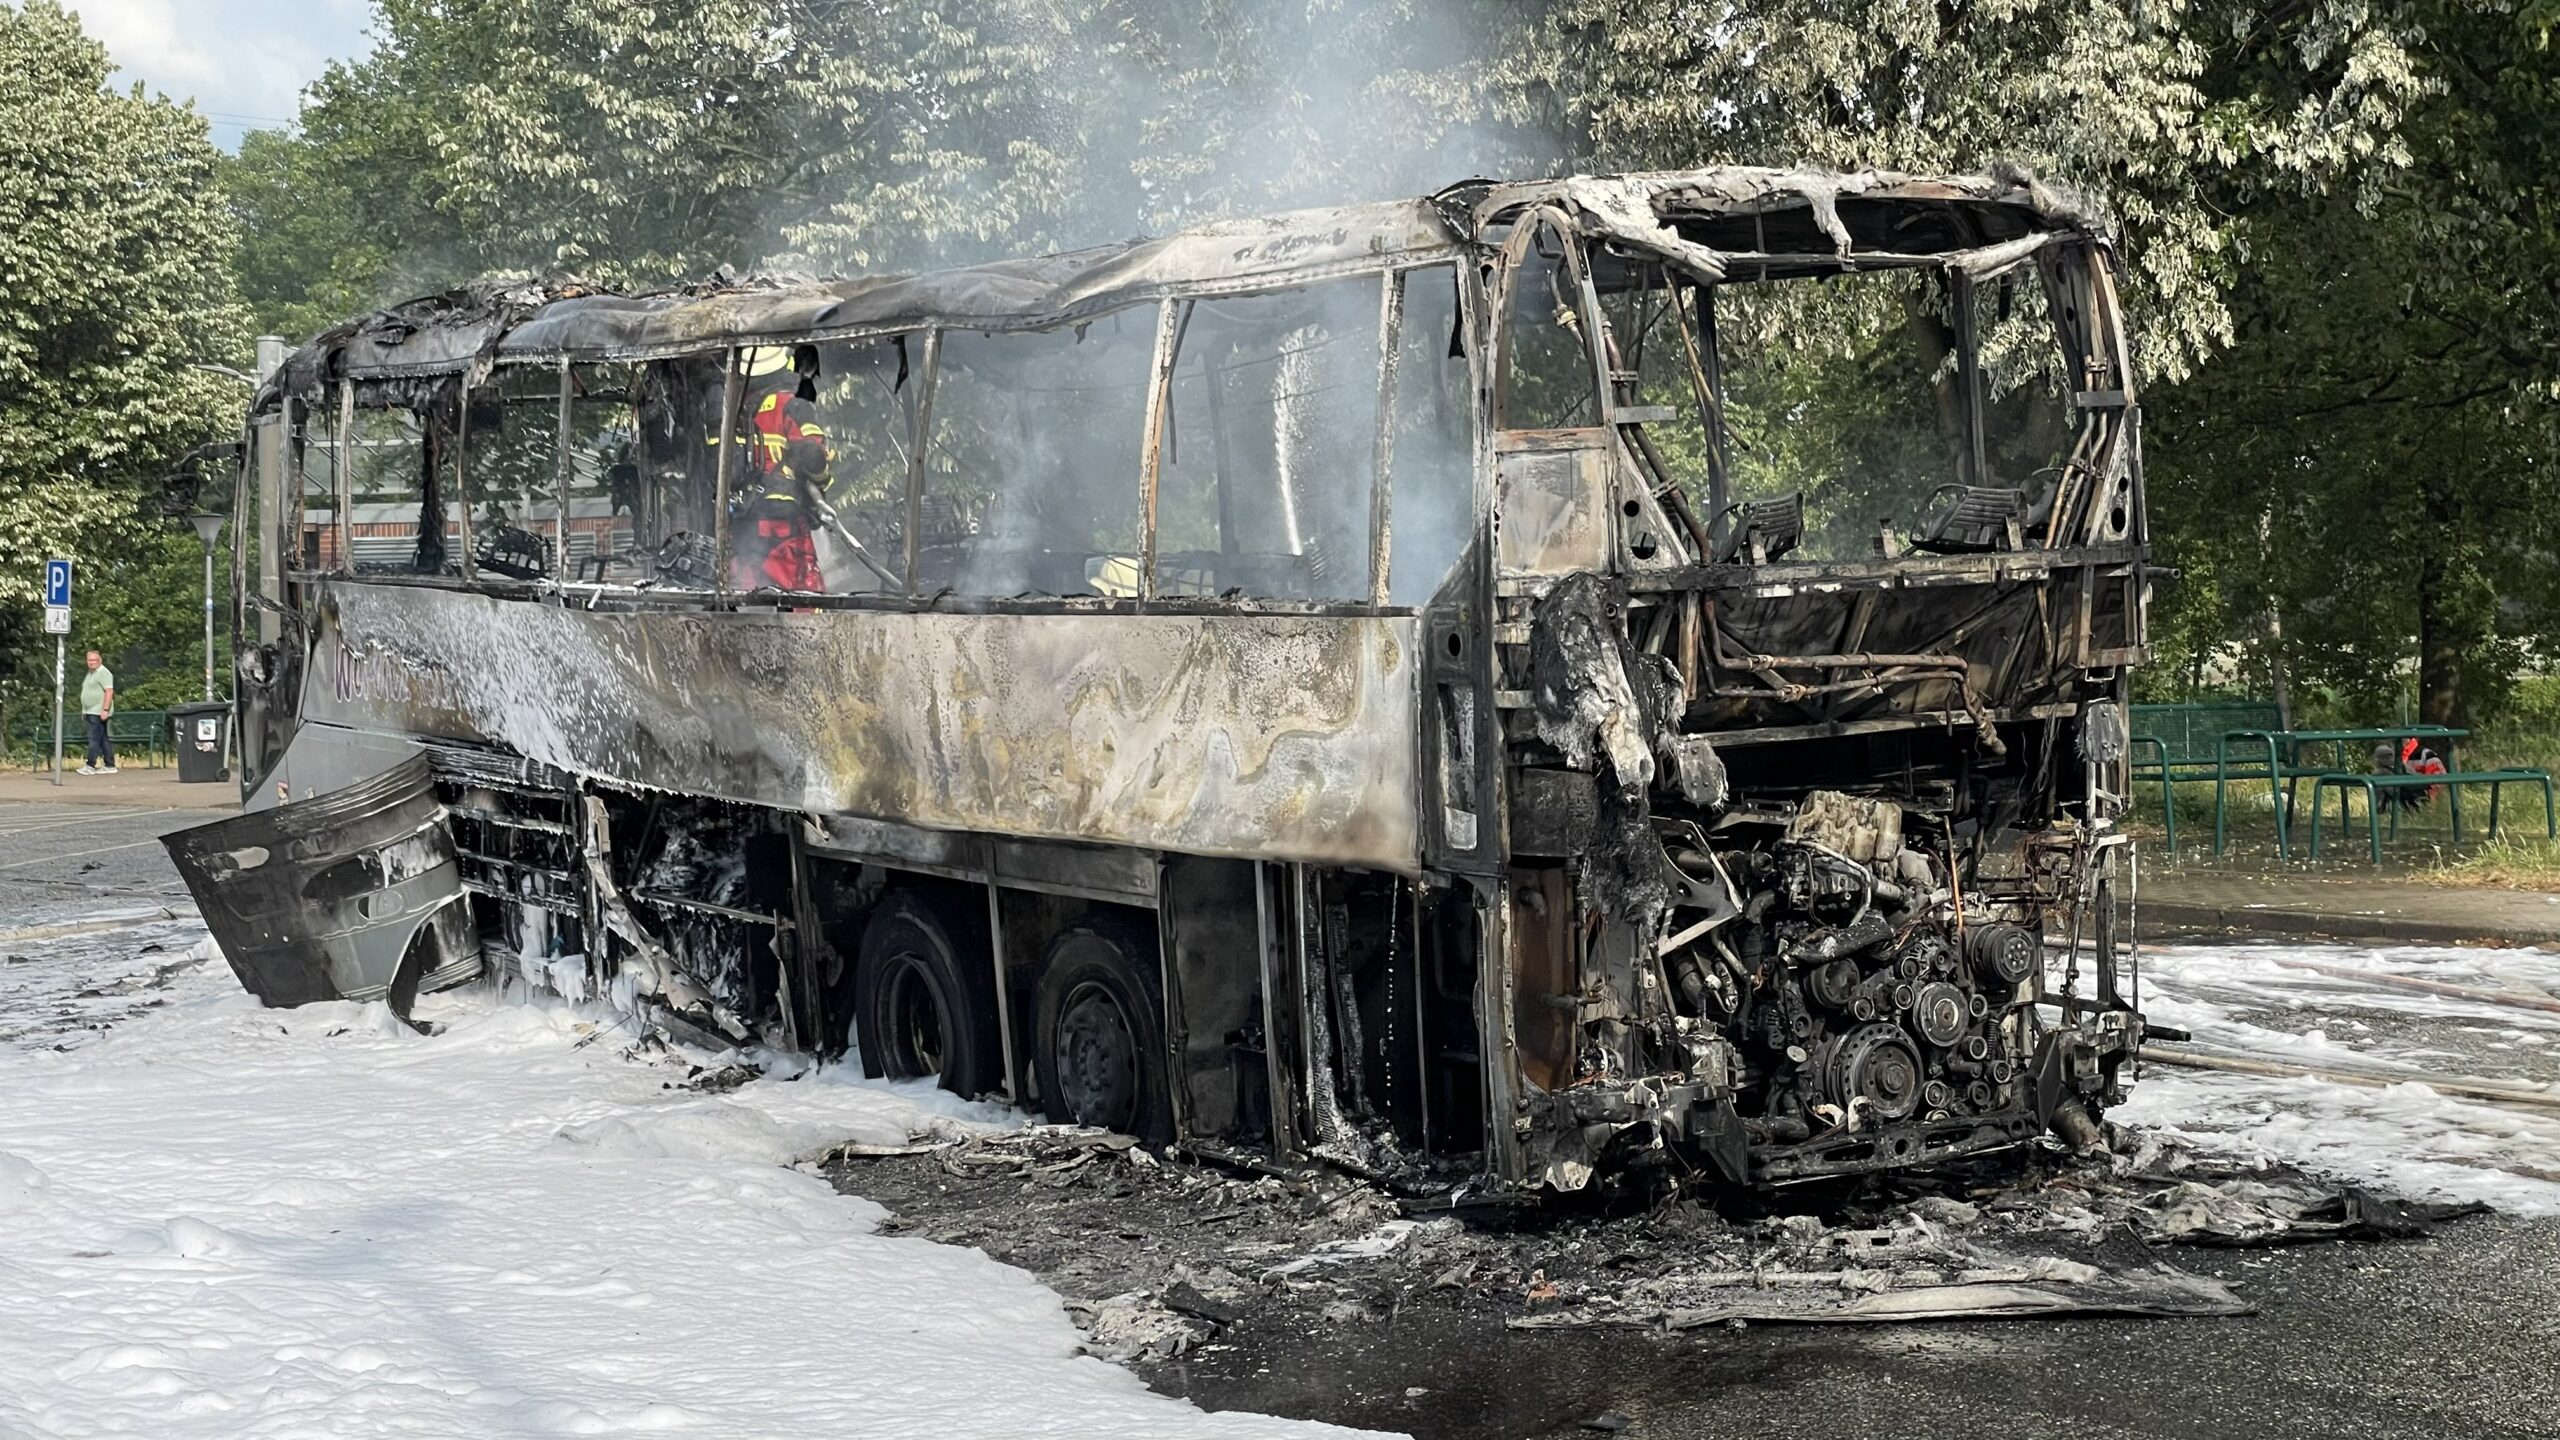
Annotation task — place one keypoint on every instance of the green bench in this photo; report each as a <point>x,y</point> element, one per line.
<point>141,732</point>
<point>2284,767</point>
<point>2375,786</point>
<point>2175,743</point>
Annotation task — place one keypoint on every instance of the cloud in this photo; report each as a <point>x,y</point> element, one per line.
<point>244,62</point>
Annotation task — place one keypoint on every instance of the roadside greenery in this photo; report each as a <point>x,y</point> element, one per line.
<point>2368,468</point>
<point>116,253</point>
<point>2335,218</point>
<point>2506,863</point>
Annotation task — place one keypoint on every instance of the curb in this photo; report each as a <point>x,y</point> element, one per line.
<point>2274,923</point>
<point>82,792</point>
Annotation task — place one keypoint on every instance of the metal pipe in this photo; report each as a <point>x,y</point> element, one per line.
<point>1699,348</point>
<point>1382,491</point>
<point>732,391</point>
<point>1169,315</point>
<point>1497,1036</point>
<point>1969,374</point>
<point>1670,496</point>
<point>1837,662</point>
<point>273,436</point>
<point>1013,1086</point>
<point>208,620</point>
<point>243,516</point>
<point>60,643</point>
<point>462,475</point>
<point>1279,1012</point>
<point>1213,384</point>
<point>343,528</point>
<point>562,469</point>
<point>248,501</point>
<point>920,441</point>
<point>1409,907</point>
<point>729,912</point>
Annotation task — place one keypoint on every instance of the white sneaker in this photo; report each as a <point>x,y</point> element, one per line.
<point>85,770</point>
<point>110,770</point>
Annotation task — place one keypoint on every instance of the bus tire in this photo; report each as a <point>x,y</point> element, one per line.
<point>925,996</point>
<point>1098,1045</point>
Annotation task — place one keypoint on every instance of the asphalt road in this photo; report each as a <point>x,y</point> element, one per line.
<point>70,855</point>
<point>2448,1338</point>
<point>93,920</point>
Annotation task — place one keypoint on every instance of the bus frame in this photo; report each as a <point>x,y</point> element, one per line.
<point>1628,848</point>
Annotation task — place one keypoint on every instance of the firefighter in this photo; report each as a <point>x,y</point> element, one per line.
<point>783,474</point>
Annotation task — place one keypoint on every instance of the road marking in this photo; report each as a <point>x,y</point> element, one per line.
<point>28,810</point>
<point>78,855</point>
<point>84,927</point>
<point>56,824</point>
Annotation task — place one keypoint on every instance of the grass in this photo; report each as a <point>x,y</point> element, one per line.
<point>2521,858</point>
<point>2509,862</point>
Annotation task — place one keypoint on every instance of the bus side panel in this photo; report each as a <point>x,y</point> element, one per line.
<point>1270,737</point>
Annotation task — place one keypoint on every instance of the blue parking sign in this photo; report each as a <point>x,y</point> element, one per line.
<point>57,582</point>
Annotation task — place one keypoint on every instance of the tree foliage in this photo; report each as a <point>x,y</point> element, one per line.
<point>649,144</point>
<point>115,279</point>
<point>2368,469</point>
<point>2143,108</point>
<point>2333,214</point>
<point>317,251</point>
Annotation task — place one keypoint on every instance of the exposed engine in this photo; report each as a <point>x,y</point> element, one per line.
<point>1797,956</point>
<point>1873,1015</point>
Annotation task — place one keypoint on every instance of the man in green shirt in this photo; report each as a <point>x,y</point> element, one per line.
<point>97,702</point>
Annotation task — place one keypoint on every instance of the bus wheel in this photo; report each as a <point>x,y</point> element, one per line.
<point>1100,1048</point>
<point>924,996</point>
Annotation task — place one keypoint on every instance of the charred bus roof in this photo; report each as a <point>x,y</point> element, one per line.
<point>1730,223</point>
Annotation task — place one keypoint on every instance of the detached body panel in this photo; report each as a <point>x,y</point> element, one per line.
<point>353,895</point>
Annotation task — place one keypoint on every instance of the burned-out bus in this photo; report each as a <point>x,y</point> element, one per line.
<point>1550,682</point>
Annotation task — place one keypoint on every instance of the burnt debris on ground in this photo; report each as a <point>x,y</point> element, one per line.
<point>1160,1255</point>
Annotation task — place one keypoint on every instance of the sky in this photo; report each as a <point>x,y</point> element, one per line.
<point>244,62</point>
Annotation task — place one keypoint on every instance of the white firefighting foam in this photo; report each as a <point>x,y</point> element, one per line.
<point>218,1220</point>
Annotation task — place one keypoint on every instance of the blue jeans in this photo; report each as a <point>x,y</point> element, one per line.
<point>101,750</point>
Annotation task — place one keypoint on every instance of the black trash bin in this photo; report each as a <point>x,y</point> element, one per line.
<point>200,734</point>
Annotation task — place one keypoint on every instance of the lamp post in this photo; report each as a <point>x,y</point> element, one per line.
<point>208,529</point>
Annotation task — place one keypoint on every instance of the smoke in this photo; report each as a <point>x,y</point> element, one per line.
<point>1050,126</point>
<point>1278,105</point>
<point>891,135</point>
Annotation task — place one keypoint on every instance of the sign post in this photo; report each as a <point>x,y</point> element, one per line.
<point>57,620</point>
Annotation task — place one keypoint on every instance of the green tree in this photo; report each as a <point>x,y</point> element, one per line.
<point>2141,108</point>
<point>314,250</point>
<point>116,251</point>
<point>2364,482</point>
<point>630,144</point>
<point>143,610</point>
<point>650,145</point>
<point>2301,190</point>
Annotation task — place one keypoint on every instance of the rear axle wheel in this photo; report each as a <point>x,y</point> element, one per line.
<point>1100,1047</point>
<point>924,996</point>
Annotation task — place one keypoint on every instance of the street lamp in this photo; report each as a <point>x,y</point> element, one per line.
<point>208,529</point>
